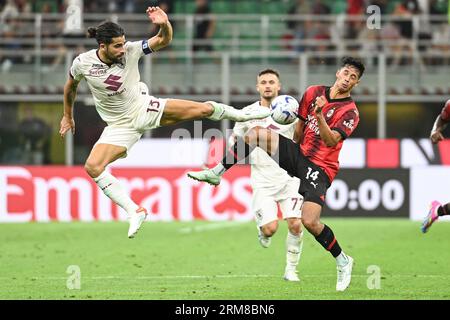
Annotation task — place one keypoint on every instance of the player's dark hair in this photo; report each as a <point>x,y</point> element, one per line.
<point>266,71</point>
<point>354,62</point>
<point>105,31</point>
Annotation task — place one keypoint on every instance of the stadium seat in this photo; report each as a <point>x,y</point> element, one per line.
<point>248,7</point>
<point>274,7</point>
<point>338,6</point>
<point>179,6</point>
<point>390,6</point>
<point>235,91</point>
<point>408,91</point>
<point>221,7</point>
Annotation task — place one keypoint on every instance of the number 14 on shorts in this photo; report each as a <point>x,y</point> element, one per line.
<point>312,175</point>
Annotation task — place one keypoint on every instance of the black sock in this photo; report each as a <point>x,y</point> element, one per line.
<point>328,241</point>
<point>238,151</point>
<point>444,210</point>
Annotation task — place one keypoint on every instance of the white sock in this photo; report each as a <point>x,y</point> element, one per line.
<point>294,246</point>
<point>342,259</point>
<point>219,169</point>
<point>218,112</point>
<point>112,189</point>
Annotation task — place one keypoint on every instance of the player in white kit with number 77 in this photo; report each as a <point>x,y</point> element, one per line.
<point>124,103</point>
<point>271,185</point>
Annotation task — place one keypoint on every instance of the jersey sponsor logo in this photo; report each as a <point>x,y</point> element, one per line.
<point>113,82</point>
<point>97,71</point>
<point>117,93</point>
<point>349,124</point>
<point>312,124</point>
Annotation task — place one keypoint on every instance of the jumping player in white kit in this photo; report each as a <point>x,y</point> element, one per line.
<point>123,102</point>
<point>271,185</point>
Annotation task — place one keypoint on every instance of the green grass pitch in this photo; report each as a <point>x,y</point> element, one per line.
<point>208,260</point>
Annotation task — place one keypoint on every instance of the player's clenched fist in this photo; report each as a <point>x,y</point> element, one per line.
<point>66,125</point>
<point>157,15</point>
<point>319,104</point>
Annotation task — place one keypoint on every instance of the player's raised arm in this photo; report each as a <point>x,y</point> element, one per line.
<point>436,133</point>
<point>165,34</point>
<point>440,124</point>
<point>70,93</point>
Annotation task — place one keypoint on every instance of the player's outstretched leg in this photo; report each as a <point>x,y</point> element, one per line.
<point>222,111</point>
<point>238,151</point>
<point>241,149</point>
<point>176,111</point>
<point>431,217</point>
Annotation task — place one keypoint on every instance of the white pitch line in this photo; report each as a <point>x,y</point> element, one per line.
<point>228,276</point>
<point>211,226</point>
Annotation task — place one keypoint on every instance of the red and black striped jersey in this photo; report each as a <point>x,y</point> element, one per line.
<point>445,113</point>
<point>341,115</point>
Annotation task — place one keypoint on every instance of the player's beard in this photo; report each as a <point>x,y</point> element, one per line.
<point>114,59</point>
<point>269,95</point>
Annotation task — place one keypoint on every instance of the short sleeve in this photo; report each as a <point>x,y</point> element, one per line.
<point>347,123</point>
<point>75,70</point>
<point>445,113</point>
<point>137,49</point>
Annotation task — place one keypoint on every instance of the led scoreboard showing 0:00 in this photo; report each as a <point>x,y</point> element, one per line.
<point>369,192</point>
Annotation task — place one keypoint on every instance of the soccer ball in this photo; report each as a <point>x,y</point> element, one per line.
<point>284,109</point>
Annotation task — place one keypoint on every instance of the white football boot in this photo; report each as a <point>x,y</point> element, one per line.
<point>206,175</point>
<point>344,275</point>
<point>291,275</point>
<point>136,220</point>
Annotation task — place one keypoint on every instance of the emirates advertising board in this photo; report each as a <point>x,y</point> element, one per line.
<point>45,194</point>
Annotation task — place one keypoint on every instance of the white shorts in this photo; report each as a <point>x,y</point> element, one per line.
<point>264,203</point>
<point>149,115</point>
<point>146,118</point>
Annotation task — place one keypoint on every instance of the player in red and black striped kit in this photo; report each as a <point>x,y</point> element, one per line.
<point>436,208</point>
<point>328,116</point>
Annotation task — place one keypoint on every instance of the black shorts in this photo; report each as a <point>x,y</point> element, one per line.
<point>313,180</point>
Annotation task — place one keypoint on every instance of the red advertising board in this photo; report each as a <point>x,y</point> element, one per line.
<point>68,194</point>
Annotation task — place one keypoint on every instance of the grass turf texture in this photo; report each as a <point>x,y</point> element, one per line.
<point>206,260</point>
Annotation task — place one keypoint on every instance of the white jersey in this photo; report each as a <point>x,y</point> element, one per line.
<point>266,173</point>
<point>116,88</point>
